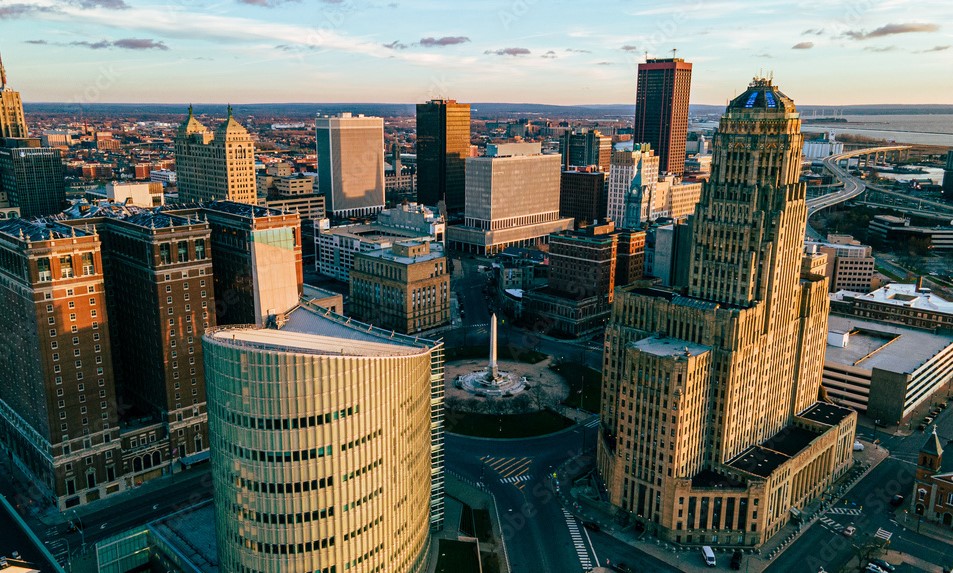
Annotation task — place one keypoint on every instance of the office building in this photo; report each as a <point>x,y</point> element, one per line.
<point>822,146</point>
<point>405,287</point>
<point>257,261</point>
<point>633,178</point>
<point>443,144</point>
<point>933,487</point>
<point>215,166</point>
<point>630,256</point>
<point>948,175</point>
<point>58,412</point>
<point>163,176</point>
<point>326,452</point>
<point>400,180</point>
<point>161,299</point>
<point>583,195</point>
<point>850,265</point>
<point>350,152</point>
<point>32,177</point>
<point>582,267</point>
<point>885,370</point>
<point>512,199</point>
<point>146,195</point>
<point>897,230</point>
<point>907,304</point>
<point>585,147</point>
<point>661,110</point>
<point>671,254</point>
<point>710,439</point>
<point>12,120</point>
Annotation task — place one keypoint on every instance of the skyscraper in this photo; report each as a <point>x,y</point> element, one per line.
<point>632,182</point>
<point>326,452</point>
<point>32,177</point>
<point>661,110</point>
<point>12,121</point>
<point>58,414</point>
<point>712,429</point>
<point>443,144</point>
<point>217,165</point>
<point>350,152</point>
<point>585,147</point>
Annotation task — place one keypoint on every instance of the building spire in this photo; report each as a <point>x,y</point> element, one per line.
<point>229,111</point>
<point>3,74</point>
<point>190,111</point>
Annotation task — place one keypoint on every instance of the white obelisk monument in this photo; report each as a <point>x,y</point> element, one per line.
<point>492,371</point>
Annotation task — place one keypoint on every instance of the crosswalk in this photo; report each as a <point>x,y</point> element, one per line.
<point>883,534</point>
<point>592,423</point>
<point>844,511</point>
<point>574,532</point>
<point>59,550</point>
<point>512,470</point>
<point>830,524</point>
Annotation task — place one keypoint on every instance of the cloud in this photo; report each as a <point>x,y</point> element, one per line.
<point>605,64</point>
<point>509,52</point>
<point>108,4</point>
<point>18,10</point>
<point>764,55</point>
<point>813,32</point>
<point>36,42</point>
<point>140,44</point>
<point>395,45</point>
<point>880,48</point>
<point>549,55</point>
<point>891,30</point>
<point>444,41</point>
<point>630,48</point>
<point>576,51</point>
<point>124,43</point>
<point>935,49</point>
<point>803,46</point>
<point>270,3</point>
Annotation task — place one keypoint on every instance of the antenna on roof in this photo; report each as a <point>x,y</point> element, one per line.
<point>674,52</point>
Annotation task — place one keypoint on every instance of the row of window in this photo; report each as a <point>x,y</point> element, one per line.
<point>285,548</point>
<point>279,457</point>
<point>67,270</point>
<point>296,487</point>
<point>253,423</point>
<point>283,518</point>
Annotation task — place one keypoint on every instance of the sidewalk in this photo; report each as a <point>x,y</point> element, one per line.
<point>458,492</point>
<point>689,559</point>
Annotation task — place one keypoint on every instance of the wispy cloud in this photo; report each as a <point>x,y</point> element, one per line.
<point>578,51</point>
<point>605,63</point>
<point>891,30</point>
<point>444,41</point>
<point>140,44</point>
<point>395,45</point>
<point>935,49</point>
<point>813,32</point>
<point>550,55</point>
<point>803,46</point>
<point>630,48</point>
<point>880,48</point>
<point>20,10</point>
<point>509,52</point>
<point>36,42</point>
<point>109,4</point>
<point>265,3</point>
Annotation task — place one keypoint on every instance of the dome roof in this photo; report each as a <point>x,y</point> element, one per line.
<point>762,95</point>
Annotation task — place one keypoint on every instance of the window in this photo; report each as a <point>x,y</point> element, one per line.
<point>45,275</point>
<point>71,304</point>
<point>183,251</point>
<point>165,254</point>
<point>200,250</point>
<point>93,313</point>
<point>168,288</point>
<point>88,264</point>
<point>66,267</point>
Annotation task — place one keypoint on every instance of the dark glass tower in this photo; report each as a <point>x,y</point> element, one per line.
<point>443,144</point>
<point>32,177</point>
<point>661,110</point>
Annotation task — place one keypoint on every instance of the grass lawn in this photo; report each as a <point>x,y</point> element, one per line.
<point>580,378</point>
<point>505,426</point>
<point>457,557</point>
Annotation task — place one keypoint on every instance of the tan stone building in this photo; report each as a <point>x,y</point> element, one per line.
<point>326,455</point>
<point>350,152</point>
<point>217,165</point>
<point>712,432</point>
<point>405,287</point>
<point>12,121</point>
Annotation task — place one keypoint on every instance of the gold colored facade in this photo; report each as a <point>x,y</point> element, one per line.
<point>404,288</point>
<point>217,165</point>
<point>712,431</point>
<point>321,445</point>
<point>12,121</point>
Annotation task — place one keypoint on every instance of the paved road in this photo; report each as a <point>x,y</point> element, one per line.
<point>867,508</point>
<point>13,538</point>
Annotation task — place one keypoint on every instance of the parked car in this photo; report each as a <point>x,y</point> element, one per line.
<point>871,568</point>
<point>736,558</point>
<point>849,531</point>
<point>883,565</point>
<point>896,500</point>
<point>858,447</point>
<point>709,556</point>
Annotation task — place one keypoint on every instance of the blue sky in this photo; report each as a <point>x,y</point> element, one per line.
<point>545,51</point>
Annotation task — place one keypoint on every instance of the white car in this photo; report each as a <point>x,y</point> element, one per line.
<point>858,447</point>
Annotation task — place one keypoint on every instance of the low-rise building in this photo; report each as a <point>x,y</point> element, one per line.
<point>850,265</point>
<point>907,304</point>
<point>405,287</point>
<point>139,194</point>
<point>898,229</point>
<point>932,497</point>
<point>885,370</point>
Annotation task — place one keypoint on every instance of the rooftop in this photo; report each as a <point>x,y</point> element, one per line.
<point>758,461</point>
<point>157,220</point>
<point>388,254</point>
<point>39,230</point>
<point>790,440</point>
<point>825,413</point>
<point>373,232</point>
<point>889,347</point>
<point>763,95</point>
<point>191,533</point>
<point>242,209</point>
<point>905,295</point>
<point>666,346</point>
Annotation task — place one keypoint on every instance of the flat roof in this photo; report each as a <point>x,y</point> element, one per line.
<point>790,440</point>
<point>825,413</point>
<point>758,461</point>
<point>667,346</point>
<point>191,533</point>
<point>374,233</point>
<point>905,295</point>
<point>889,347</point>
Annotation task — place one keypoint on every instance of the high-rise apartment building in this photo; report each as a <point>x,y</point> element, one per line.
<point>633,179</point>
<point>215,166</point>
<point>12,120</point>
<point>350,152</point>
<point>58,413</point>
<point>257,262</point>
<point>405,287</point>
<point>712,432</point>
<point>162,299</point>
<point>583,195</point>
<point>661,110</point>
<point>512,199</point>
<point>32,177</point>
<point>326,452</point>
<point>584,148</point>
<point>630,257</point>
<point>443,144</point>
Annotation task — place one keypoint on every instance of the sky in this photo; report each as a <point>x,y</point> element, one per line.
<point>821,52</point>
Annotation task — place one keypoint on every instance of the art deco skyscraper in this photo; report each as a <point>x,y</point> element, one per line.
<point>661,110</point>
<point>12,121</point>
<point>326,445</point>
<point>443,144</point>
<point>712,430</point>
<point>217,165</point>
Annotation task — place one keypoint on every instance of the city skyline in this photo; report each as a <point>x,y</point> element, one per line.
<point>262,51</point>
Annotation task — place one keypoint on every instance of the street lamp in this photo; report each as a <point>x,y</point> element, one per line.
<point>82,532</point>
